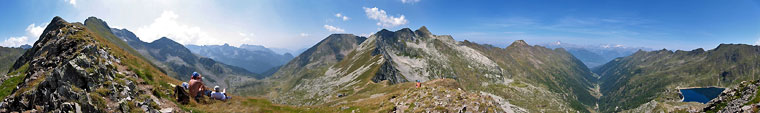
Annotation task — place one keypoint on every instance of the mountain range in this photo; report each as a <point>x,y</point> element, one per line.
<point>655,76</point>
<point>345,64</point>
<point>595,56</point>
<point>91,67</point>
<point>179,62</point>
<point>254,58</point>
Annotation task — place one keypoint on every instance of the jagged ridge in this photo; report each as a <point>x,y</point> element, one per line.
<point>71,68</point>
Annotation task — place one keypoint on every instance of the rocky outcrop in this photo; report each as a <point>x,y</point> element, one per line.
<point>69,69</point>
<point>388,72</point>
<point>739,99</point>
<point>443,99</point>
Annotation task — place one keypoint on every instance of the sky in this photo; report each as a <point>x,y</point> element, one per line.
<point>297,24</point>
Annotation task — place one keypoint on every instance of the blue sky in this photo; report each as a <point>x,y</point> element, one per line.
<point>299,24</point>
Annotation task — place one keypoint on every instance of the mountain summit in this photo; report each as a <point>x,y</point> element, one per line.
<point>74,68</point>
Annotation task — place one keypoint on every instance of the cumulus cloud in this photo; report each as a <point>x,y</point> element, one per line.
<point>409,1</point>
<point>383,18</point>
<point>168,26</point>
<point>72,2</point>
<point>303,35</point>
<point>341,16</point>
<point>15,41</point>
<point>32,30</point>
<point>334,29</point>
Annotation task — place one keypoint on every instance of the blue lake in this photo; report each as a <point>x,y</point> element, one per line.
<point>701,95</point>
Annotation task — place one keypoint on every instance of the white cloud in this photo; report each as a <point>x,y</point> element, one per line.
<point>168,26</point>
<point>334,29</point>
<point>303,35</point>
<point>410,1</point>
<point>341,16</point>
<point>246,34</point>
<point>383,19</point>
<point>72,2</point>
<point>15,41</point>
<point>31,31</point>
<point>757,42</point>
<point>246,37</point>
<point>34,30</point>
<point>612,46</point>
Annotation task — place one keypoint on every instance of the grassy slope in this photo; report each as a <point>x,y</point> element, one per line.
<point>161,81</point>
<point>7,57</point>
<point>558,71</point>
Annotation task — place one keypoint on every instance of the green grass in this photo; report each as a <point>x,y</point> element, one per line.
<point>518,84</point>
<point>9,57</point>
<point>21,70</point>
<point>102,91</point>
<point>8,85</point>
<point>98,100</point>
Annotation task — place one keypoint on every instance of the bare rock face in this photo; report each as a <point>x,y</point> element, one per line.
<point>736,100</point>
<point>69,70</point>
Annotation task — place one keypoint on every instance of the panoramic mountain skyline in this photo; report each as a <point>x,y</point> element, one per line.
<point>295,25</point>
<point>380,56</point>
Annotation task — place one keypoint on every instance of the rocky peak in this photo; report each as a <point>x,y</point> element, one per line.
<point>169,42</point>
<point>697,51</point>
<point>56,23</point>
<point>732,47</point>
<point>55,26</point>
<point>127,35</point>
<point>423,31</point>
<point>339,36</point>
<point>403,34</point>
<point>96,21</point>
<point>73,69</point>
<point>405,30</point>
<point>519,44</point>
<point>334,46</point>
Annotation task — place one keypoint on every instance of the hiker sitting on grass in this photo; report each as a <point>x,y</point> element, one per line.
<point>219,95</point>
<point>196,86</point>
<point>419,84</point>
